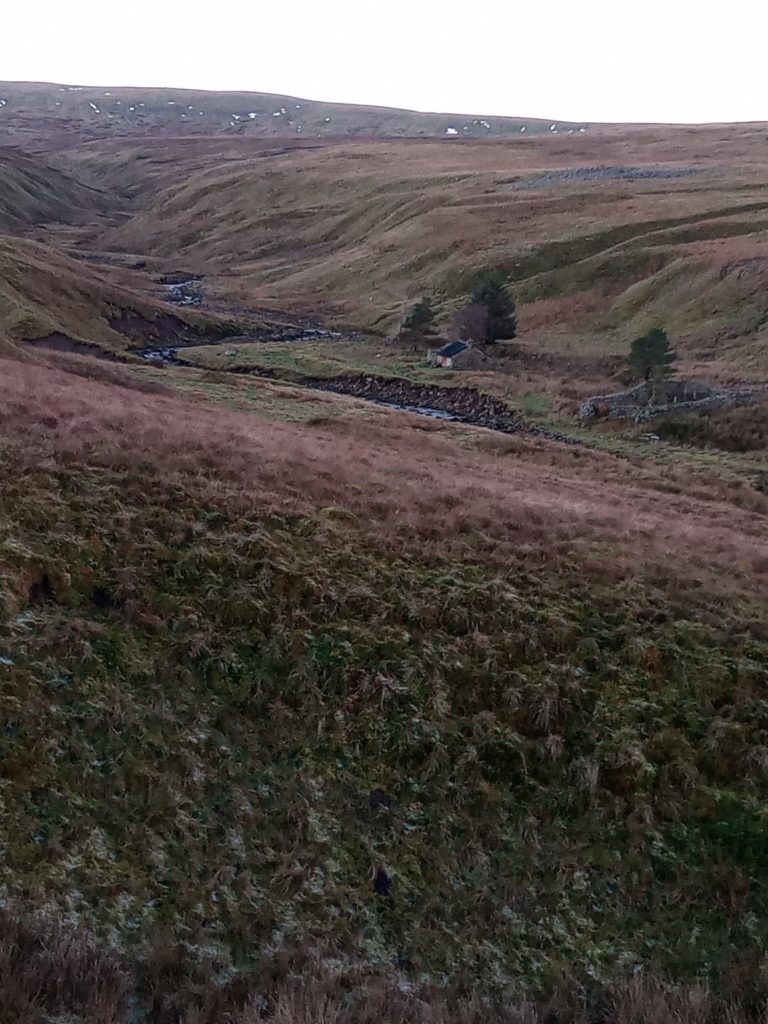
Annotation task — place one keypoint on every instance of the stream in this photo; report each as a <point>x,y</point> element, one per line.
<point>449,404</point>
<point>454,405</point>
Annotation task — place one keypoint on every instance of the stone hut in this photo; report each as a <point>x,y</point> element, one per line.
<point>458,355</point>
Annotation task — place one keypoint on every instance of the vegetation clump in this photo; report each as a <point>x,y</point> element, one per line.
<point>420,318</point>
<point>652,358</point>
<point>491,291</point>
<point>743,429</point>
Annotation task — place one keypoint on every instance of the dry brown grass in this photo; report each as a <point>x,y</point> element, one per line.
<point>397,480</point>
<point>50,973</point>
<point>44,292</point>
<point>33,192</point>
<point>360,228</point>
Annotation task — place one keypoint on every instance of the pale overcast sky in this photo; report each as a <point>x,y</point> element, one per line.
<point>609,60</point>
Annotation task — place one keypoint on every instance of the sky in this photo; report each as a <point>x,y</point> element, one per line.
<point>581,60</point>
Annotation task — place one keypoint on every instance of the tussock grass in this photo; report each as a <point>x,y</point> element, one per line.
<point>250,667</point>
<point>48,970</point>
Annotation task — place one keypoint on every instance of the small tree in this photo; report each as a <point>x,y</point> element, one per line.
<point>420,319</point>
<point>469,323</point>
<point>652,358</point>
<point>491,289</point>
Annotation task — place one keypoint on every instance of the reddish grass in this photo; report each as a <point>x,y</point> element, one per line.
<point>397,480</point>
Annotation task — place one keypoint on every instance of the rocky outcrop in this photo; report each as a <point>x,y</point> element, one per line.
<point>672,398</point>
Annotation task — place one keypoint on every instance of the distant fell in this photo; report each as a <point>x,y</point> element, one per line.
<point>54,114</point>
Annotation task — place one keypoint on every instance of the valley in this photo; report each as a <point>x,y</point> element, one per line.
<point>337,684</point>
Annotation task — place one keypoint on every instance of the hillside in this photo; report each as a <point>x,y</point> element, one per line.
<point>69,113</point>
<point>340,687</point>
<point>50,298</point>
<point>32,193</point>
<point>343,690</point>
<point>601,236</point>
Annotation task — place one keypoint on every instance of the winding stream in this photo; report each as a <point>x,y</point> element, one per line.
<point>450,404</point>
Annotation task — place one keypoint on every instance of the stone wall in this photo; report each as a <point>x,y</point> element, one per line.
<point>672,398</point>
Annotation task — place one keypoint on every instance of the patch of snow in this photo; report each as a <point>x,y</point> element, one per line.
<point>171,103</point>
<point>277,114</point>
<point>201,113</point>
<point>327,120</point>
<point>235,117</point>
<point>75,88</point>
<point>299,129</point>
<point>283,110</point>
<point>523,128</point>
<point>94,108</point>
<point>3,103</point>
<point>253,115</point>
<point>131,108</point>
<point>107,93</point>
<point>298,106</point>
<point>451,131</point>
<point>582,129</point>
<point>553,127</point>
<point>190,107</point>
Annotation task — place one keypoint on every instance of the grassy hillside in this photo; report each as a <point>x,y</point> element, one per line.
<point>44,293</point>
<point>70,113</point>
<point>32,193</point>
<point>601,235</point>
<point>417,701</point>
<point>316,710</point>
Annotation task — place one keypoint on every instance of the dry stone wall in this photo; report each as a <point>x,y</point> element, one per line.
<point>678,398</point>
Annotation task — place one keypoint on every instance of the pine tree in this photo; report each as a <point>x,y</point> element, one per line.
<point>652,358</point>
<point>491,289</point>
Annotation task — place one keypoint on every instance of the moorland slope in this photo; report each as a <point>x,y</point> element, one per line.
<point>316,709</point>
<point>602,236</point>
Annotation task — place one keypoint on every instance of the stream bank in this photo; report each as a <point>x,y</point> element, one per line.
<point>458,405</point>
